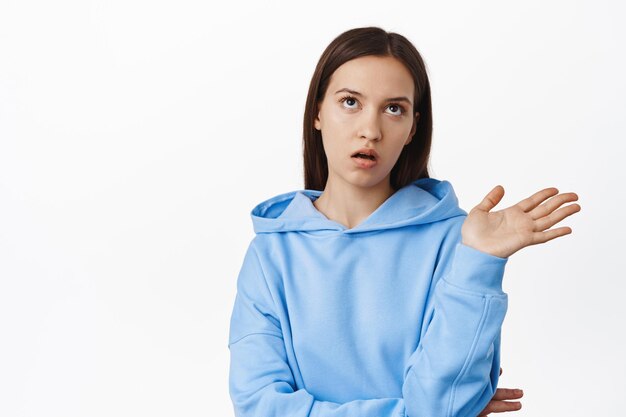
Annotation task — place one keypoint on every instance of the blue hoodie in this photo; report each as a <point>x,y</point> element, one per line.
<point>393,317</point>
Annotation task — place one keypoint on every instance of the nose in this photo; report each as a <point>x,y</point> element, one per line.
<point>370,126</point>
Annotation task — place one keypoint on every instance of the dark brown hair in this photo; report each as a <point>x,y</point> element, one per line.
<point>413,160</point>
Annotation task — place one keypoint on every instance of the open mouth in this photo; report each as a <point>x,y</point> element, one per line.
<point>364,156</point>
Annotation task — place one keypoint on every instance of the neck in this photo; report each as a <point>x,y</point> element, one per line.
<point>350,204</point>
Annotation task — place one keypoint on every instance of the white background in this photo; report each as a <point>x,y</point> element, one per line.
<point>135,138</point>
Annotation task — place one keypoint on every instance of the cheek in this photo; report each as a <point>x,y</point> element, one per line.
<point>335,148</point>
<point>335,133</point>
<point>336,117</point>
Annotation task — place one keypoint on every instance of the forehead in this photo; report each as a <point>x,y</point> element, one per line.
<point>373,76</point>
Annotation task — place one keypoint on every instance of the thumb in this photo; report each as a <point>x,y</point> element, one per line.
<point>491,199</point>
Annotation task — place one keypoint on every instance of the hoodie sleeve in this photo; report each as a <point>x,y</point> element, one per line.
<point>454,370</point>
<point>261,383</point>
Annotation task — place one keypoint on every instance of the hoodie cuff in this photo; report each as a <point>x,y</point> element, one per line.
<point>477,271</point>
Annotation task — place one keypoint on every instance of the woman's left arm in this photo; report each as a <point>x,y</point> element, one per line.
<point>454,370</point>
<point>505,232</point>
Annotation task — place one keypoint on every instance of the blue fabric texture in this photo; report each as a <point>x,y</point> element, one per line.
<point>393,317</point>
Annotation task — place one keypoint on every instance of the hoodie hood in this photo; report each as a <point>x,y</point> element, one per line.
<point>424,200</point>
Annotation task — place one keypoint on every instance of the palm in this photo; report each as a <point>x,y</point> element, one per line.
<point>504,232</point>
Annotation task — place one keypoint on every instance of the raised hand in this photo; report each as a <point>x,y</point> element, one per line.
<point>504,232</point>
<point>498,403</point>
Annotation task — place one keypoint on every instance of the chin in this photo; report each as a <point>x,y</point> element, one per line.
<point>366,179</point>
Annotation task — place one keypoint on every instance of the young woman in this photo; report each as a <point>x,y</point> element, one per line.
<point>370,292</point>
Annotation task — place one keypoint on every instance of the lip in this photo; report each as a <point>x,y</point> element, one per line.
<point>367,151</point>
<point>364,163</point>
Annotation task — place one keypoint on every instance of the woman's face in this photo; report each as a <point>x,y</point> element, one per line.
<point>377,114</point>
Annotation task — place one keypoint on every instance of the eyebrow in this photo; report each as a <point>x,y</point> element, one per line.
<point>356,93</point>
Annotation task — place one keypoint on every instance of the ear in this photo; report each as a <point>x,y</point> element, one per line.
<point>316,123</point>
<point>413,128</point>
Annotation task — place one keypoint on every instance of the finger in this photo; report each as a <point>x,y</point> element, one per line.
<point>551,205</point>
<point>491,199</point>
<point>553,218</point>
<point>536,199</point>
<point>500,372</point>
<point>542,237</point>
<point>507,394</point>
<point>501,406</point>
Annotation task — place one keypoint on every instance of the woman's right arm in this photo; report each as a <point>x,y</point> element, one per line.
<point>261,383</point>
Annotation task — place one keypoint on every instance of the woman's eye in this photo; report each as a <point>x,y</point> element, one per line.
<point>400,109</point>
<point>347,98</point>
